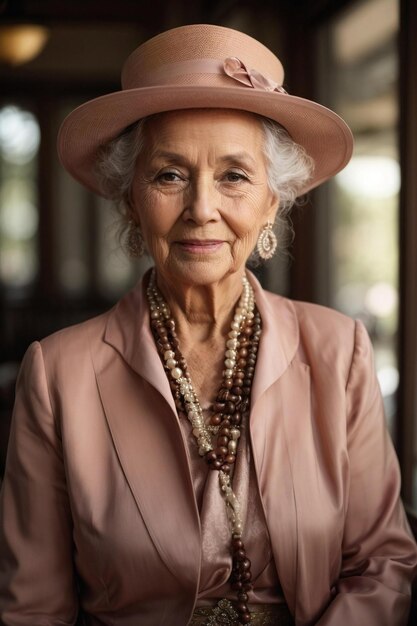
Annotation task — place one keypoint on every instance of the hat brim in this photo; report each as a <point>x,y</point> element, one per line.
<point>322,133</point>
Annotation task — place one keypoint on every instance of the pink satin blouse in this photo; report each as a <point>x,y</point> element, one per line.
<point>216,562</point>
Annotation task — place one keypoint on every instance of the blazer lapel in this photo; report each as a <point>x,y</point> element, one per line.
<point>279,421</point>
<point>271,429</point>
<point>128,331</point>
<point>279,339</point>
<point>143,423</point>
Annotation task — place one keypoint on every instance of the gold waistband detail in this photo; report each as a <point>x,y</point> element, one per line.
<point>223,614</point>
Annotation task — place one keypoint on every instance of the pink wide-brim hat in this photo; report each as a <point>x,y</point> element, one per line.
<point>202,66</point>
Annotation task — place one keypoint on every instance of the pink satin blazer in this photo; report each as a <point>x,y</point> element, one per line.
<point>98,511</point>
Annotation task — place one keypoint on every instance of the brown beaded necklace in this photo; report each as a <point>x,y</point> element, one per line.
<point>218,441</point>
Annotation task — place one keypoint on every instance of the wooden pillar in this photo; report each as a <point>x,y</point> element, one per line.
<point>407,394</point>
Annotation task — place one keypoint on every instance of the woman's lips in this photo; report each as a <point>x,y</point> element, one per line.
<point>200,246</point>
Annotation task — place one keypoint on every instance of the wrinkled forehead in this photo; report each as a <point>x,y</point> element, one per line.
<point>203,127</point>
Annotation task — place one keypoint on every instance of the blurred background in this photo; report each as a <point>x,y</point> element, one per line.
<point>355,244</point>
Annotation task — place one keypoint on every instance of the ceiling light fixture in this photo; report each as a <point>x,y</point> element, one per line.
<point>21,43</point>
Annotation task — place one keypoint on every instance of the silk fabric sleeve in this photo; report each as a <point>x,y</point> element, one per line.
<point>36,572</point>
<point>379,554</point>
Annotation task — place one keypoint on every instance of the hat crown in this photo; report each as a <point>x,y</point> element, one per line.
<point>194,54</point>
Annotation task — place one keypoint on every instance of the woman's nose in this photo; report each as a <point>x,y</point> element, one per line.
<point>202,202</point>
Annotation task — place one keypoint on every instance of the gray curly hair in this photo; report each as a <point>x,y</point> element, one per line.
<point>289,168</point>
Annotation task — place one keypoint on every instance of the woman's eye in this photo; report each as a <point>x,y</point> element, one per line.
<point>169,177</point>
<point>235,177</point>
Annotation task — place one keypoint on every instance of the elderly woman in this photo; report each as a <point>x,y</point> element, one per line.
<point>206,452</point>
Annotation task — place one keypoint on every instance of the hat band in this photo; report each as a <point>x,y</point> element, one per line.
<point>231,67</point>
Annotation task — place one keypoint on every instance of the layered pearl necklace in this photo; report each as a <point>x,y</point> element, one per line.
<point>217,441</point>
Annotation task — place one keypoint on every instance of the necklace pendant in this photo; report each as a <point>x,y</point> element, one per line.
<point>223,615</point>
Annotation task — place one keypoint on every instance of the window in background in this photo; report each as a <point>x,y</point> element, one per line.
<point>359,73</point>
<point>89,259</point>
<point>116,272</point>
<point>19,215</point>
<point>71,219</point>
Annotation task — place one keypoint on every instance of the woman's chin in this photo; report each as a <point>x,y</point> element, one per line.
<point>198,270</point>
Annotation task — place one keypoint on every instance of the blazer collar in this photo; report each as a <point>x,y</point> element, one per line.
<point>128,331</point>
<point>279,339</point>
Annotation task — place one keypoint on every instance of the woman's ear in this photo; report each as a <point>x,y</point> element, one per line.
<point>133,241</point>
<point>132,215</point>
<point>273,209</point>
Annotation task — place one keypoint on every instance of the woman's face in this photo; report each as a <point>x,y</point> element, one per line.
<point>200,192</point>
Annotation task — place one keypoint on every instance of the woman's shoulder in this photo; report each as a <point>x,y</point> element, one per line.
<point>323,335</point>
<point>323,319</point>
<point>311,316</point>
<point>64,358</point>
<point>75,339</point>
<point>330,343</point>
<point>93,340</point>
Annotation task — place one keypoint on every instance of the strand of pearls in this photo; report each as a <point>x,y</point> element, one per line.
<point>160,310</point>
<point>229,409</point>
